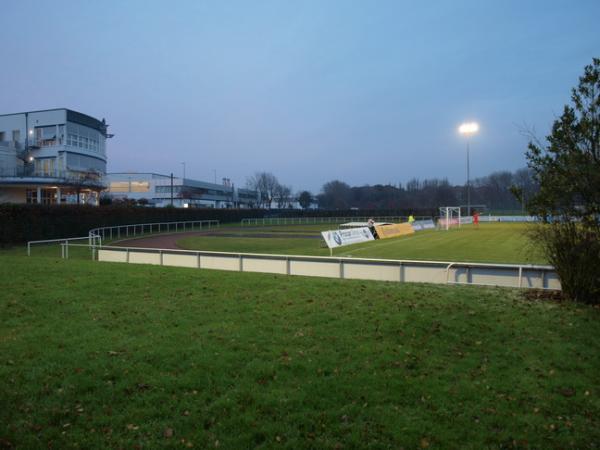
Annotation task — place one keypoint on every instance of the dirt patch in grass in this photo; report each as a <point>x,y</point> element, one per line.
<point>543,295</point>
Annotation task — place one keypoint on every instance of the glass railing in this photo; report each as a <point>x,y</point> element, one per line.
<point>32,143</point>
<point>65,176</point>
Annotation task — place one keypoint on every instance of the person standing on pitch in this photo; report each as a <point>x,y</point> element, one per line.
<point>476,219</point>
<point>371,225</point>
<point>411,219</point>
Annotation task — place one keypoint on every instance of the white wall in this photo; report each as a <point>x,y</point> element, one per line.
<point>12,194</point>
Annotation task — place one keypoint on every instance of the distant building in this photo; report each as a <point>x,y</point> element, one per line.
<point>52,156</point>
<point>183,192</point>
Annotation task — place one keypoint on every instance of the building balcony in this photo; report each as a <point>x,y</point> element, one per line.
<point>27,175</point>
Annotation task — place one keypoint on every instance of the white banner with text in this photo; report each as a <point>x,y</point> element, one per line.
<point>337,238</point>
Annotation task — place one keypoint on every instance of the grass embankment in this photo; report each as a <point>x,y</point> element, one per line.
<point>98,355</point>
<point>490,242</point>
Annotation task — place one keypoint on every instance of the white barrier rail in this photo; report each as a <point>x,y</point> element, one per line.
<point>120,231</point>
<point>93,240</point>
<point>441,272</point>
<point>490,218</point>
<point>318,220</point>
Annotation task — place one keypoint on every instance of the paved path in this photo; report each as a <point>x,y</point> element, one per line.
<point>160,241</point>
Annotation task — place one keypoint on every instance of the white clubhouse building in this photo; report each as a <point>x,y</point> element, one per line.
<point>52,156</point>
<point>58,156</point>
<point>164,190</point>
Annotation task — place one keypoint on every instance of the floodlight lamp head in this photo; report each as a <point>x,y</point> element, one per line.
<point>468,128</point>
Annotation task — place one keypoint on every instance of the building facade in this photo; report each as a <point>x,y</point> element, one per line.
<point>164,190</point>
<point>52,156</point>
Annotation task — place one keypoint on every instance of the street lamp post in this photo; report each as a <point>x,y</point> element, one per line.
<point>468,129</point>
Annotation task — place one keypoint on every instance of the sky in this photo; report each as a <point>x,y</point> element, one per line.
<point>365,92</point>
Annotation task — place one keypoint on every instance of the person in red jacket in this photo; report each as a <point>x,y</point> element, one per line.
<point>476,218</point>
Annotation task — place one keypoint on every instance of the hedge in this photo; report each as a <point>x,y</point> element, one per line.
<point>22,223</point>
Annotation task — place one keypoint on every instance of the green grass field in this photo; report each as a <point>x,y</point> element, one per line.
<point>493,242</point>
<point>100,355</point>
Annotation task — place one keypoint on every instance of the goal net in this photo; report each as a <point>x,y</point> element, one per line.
<point>450,217</point>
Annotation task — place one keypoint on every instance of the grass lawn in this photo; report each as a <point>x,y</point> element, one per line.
<point>100,355</point>
<point>490,242</point>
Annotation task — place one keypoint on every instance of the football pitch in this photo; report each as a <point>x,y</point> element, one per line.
<point>490,242</point>
<point>108,355</point>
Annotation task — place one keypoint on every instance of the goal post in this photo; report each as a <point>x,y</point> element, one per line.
<point>449,217</point>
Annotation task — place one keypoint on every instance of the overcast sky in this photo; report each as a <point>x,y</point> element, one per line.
<point>363,91</point>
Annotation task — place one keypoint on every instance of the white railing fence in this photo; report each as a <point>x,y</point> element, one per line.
<point>508,275</point>
<point>441,272</point>
<point>94,240</point>
<point>123,231</point>
<point>318,220</point>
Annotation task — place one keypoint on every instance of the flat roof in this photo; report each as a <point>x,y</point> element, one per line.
<point>72,116</point>
<point>42,110</point>
<point>141,173</point>
<point>185,181</point>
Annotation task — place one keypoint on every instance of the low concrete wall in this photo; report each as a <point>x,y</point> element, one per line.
<point>507,275</point>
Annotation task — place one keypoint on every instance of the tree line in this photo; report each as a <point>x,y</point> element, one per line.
<point>495,191</point>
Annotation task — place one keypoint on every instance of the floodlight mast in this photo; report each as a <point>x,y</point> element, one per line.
<point>467,129</point>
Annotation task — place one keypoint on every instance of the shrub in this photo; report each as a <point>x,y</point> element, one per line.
<point>574,250</point>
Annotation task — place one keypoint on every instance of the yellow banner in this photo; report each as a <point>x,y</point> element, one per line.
<point>394,230</point>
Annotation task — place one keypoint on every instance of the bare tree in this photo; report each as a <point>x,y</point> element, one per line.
<point>283,196</point>
<point>266,184</point>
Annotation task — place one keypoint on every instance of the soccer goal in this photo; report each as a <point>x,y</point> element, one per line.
<point>449,217</point>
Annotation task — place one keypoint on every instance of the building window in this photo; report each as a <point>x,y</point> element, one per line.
<point>31,195</point>
<point>167,189</point>
<point>84,137</point>
<point>140,186</point>
<point>46,136</point>
<point>86,163</point>
<point>119,186</point>
<point>45,167</point>
<point>48,196</point>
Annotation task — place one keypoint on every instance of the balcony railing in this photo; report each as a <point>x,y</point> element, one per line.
<point>33,143</point>
<point>60,176</point>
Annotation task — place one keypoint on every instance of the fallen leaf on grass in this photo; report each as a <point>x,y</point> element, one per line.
<point>568,392</point>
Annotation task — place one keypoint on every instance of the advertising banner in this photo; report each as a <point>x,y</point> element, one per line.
<point>337,238</point>
<point>395,230</point>
<point>419,225</point>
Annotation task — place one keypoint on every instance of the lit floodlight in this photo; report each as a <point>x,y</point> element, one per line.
<point>468,128</point>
